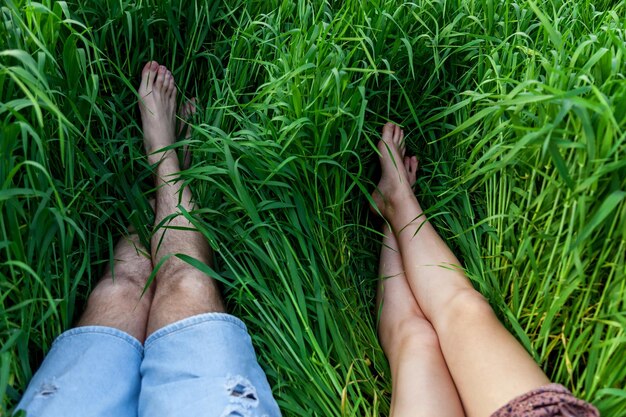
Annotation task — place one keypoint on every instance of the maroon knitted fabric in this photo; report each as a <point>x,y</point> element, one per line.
<point>552,400</point>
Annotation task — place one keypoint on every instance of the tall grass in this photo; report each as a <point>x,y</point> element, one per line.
<point>516,110</point>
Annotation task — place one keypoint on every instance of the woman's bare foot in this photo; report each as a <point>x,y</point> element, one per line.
<point>185,111</point>
<point>398,171</point>
<point>158,108</point>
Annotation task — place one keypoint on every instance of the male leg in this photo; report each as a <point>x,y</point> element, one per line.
<point>198,360</point>
<point>176,279</point>
<point>93,369</point>
<point>119,299</point>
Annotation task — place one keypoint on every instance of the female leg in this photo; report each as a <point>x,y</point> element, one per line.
<point>421,382</point>
<point>489,367</point>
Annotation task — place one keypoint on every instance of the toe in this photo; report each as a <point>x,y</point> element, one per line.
<point>153,67</point>
<point>167,81</point>
<point>413,175</point>
<point>145,80</point>
<point>402,143</point>
<point>388,130</point>
<point>160,78</point>
<point>173,91</point>
<point>183,110</point>
<point>410,164</point>
<point>147,75</point>
<point>396,135</point>
<point>172,87</point>
<point>146,69</point>
<point>186,109</point>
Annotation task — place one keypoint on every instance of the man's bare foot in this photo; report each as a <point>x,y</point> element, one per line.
<point>398,170</point>
<point>157,105</point>
<point>185,111</point>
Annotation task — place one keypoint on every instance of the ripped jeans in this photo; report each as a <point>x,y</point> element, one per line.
<point>204,365</point>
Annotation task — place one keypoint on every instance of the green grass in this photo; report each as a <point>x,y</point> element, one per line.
<point>516,110</point>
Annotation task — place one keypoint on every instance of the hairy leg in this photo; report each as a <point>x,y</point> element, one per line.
<point>421,382</point>
<point>117,299</point>
<point>181,290</point>
<point>488,365</point>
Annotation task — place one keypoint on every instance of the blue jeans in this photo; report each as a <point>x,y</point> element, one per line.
<point>204,365</point>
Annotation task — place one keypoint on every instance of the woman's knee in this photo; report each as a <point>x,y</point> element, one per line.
<point>409,334</point>
<point>465,305</point>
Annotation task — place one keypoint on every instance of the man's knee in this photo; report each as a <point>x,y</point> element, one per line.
<point>186,285</point>
<point>118,303</point>
<point>186,292</point>
<point>182,278</point>
<point>119,289</point>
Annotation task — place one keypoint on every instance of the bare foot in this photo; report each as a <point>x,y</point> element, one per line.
<point>398,171</point>
<point>185,112</point>
<point>158,108</point>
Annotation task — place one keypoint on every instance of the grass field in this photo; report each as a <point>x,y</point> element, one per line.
<point>517,111</point>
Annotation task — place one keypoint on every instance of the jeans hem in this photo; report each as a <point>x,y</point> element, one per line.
<point>103,330</point>
<point>193,321</point>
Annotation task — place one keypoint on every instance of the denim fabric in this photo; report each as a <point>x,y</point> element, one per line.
<point>89,371</point>
<point>204,365</point>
